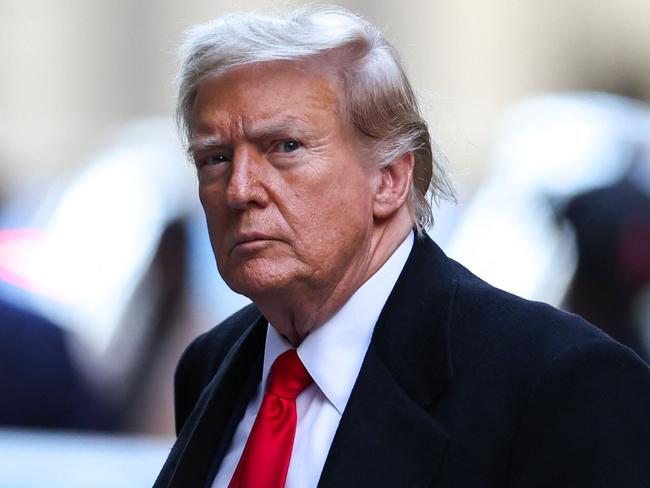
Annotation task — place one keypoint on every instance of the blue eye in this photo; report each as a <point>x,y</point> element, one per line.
<point>289,146</point>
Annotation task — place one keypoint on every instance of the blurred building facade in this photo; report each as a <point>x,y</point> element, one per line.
<point>73,70</point>
<point>76,72</point>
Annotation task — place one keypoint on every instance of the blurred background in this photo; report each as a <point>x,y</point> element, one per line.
<point>106,272</point>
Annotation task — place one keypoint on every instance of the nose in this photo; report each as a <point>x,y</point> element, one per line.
<point>245,186</point>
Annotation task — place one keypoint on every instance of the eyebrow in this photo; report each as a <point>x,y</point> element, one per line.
<point>204,143</point>
<point>263,130</point>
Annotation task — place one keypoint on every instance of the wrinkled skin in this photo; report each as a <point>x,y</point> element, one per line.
<point>297,218</point>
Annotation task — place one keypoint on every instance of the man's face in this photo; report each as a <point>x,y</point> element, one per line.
<point>287,197</point>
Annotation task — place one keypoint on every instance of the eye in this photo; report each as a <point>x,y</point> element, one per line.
<point>288,146</point>
<point>215,159</point>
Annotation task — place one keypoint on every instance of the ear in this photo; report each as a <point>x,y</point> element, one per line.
<point>393,186</point>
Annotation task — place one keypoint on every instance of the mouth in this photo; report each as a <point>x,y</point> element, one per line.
<point>251,241</point>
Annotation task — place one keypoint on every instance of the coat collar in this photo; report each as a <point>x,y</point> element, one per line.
<point>206,433</point>
<point>386,436</point>
<point>412,333</point>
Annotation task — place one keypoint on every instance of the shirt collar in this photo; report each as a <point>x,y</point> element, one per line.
<point>334,352</point>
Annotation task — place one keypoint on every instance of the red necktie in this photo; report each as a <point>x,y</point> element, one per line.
<point>265,460</point>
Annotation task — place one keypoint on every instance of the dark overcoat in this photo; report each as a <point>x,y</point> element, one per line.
<point>463,385</point>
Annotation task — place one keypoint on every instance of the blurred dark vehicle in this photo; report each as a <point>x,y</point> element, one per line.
<point>41,385</point>
<point>612,277</point>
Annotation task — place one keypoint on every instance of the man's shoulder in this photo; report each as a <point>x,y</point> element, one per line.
<point>498,327</point>
<point>489,310</point>
<point>485,327</point>
<point>544,385</point>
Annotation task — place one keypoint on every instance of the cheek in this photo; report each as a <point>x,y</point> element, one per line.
<point>211,199</point>
<point>338,210</point>
<point>348,197</point>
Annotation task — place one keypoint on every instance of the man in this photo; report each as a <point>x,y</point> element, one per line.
<point>368,358</point>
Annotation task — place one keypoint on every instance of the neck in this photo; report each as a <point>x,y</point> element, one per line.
<point>297,312</point>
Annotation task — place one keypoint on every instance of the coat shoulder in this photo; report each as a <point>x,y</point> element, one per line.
<point>528,332</point>
<point>540,397</point>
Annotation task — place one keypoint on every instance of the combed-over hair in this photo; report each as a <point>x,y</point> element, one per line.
<point>378,97</point>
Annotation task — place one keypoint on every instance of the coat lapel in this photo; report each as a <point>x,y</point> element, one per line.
<point>204,434</point>
<point>387,437</point>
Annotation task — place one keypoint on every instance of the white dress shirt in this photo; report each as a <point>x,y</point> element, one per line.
<point>333,355</point>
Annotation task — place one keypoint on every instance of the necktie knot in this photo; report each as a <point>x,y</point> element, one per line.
<point>288,376</point>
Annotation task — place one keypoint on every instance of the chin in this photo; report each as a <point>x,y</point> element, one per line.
<point>255,279</point>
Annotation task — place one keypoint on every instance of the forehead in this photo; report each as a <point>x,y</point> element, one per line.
<point>281,90</point>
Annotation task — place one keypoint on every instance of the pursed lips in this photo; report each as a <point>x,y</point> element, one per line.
<point>243,238</point>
